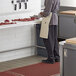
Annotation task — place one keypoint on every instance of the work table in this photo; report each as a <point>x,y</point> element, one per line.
<point>21,23</point>
<point>68,12</point>
<point>18,40</point>
<point>67,24</point>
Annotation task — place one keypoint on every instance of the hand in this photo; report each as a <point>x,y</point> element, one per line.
<point>41,13</point>
<point>35,17</point>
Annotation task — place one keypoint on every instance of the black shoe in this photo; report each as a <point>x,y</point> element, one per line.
<point>57,60</point>
<point>49,61</point>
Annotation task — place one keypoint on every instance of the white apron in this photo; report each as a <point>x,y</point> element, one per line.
<point>45,26</point>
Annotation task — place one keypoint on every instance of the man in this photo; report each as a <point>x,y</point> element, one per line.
<point>51,43</point>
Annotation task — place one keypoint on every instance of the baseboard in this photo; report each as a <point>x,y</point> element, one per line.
<point>17,54</point>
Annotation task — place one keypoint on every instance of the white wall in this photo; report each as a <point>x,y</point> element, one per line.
<point>6,6</point>
<point>69,3</point>
<point>42,2</point>
<point>7,10</point>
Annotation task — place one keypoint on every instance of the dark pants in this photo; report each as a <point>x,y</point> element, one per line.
<point>51,43</point>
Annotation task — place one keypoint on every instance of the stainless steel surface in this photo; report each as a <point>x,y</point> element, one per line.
<point>69,60</point>
<point>67,27</point>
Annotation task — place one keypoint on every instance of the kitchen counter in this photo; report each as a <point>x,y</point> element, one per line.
<point>18,40</point>
<point>67,24</point>
<point>21,23</point>
<point>71,41</point>
<point>68,12</point>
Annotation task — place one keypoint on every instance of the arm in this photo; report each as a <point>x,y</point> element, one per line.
<point>48,8</point>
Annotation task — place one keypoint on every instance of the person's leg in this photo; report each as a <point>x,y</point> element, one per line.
<point>49,44</point>
<point>56,45</point>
